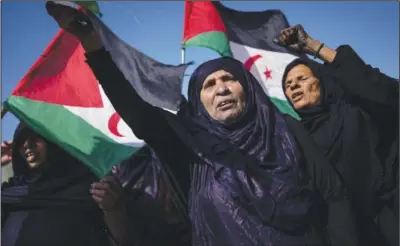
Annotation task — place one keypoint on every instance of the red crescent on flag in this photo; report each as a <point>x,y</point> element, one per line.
<point>250,62</point>
<point>113,123</point>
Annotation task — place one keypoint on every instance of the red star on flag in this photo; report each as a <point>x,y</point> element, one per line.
<point>268,73</point>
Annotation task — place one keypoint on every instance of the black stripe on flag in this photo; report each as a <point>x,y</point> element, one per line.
<point>157,83</point>
<point>253,29</point>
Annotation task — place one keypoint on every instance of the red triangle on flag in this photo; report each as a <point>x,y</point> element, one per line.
<point>61,76</point>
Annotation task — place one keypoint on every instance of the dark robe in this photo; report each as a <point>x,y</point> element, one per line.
<point>239,192</point>
<point>157,207</point>
<point>355,126</point>
<point>53,207</point>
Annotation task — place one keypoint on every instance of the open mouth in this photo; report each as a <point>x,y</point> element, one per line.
<point>225,104</point>
<point>30,156</point>
<point>297,96</point>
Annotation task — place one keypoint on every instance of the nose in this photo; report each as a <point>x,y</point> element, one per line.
<point>293,86</point>
<point>28,143</point>
<point>222,89</point>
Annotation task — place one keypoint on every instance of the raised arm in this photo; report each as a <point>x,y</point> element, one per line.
<point>146,121</point>
<point>122,95</point>
<point>353,73</point>
<point>361,79</point>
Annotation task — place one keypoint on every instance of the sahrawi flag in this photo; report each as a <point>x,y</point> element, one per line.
<point>247,36</point>
<point>61,99</point>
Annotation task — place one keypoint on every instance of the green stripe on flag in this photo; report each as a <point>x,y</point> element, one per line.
<point>56,123</point>
<point>213,40</point>
<point>284,107</point>
<point>93,6</point>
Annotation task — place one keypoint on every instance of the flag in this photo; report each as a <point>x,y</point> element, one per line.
<point>61,99</point>
<point>90,5</point>
<point>246,36</point>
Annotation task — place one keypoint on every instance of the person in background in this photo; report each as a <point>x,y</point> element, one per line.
<point>350,111</point>
<point>230,148</point>
<point>53,196</point>
<point>47,201</point>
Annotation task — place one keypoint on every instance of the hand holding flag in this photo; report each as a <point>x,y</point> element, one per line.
<point>108,193</point>
<point>77,23</point>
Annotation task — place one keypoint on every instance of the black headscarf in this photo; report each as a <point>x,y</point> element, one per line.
<point>260,132</point>
<point>64,182</point>
<point>325,112</point>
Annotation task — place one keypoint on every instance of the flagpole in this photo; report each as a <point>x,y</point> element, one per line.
<point>183,55</point>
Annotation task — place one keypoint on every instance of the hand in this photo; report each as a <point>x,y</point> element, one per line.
<point>108,193</point>
<point>6,152</point>
<point>75,22</point>
<point>295,38</point>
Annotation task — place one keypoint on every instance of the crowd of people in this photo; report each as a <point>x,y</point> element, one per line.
<point>244,173</point>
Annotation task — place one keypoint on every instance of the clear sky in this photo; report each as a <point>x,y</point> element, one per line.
<point>155,28</point>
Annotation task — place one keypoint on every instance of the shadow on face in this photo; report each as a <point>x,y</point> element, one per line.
<point>34,151</point>
<point>301,87</point>
<point>223,97</point>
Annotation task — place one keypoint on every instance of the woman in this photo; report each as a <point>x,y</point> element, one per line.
<point>229,147</point>
<point>351,111</point>
<point>47,202</point>
<point>53,199</point>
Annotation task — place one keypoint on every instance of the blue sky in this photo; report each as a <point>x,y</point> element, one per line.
<point>155,28</point>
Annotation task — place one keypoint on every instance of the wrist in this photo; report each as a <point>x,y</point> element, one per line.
<point>117,211</point>
<point>312,45</point>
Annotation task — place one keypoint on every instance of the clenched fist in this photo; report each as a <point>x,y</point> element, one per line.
<point>77,23</point>
<point>295,38</point>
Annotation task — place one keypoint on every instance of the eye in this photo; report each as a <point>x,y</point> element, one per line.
<point>208,84</point>
<point>302,77</point>
<point>227,78</point>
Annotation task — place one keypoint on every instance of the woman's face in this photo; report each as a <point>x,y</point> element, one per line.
<point>34,151</point>
<point>302,88</point>
<point>223,97</point>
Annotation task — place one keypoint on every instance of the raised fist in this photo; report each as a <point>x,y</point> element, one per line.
<point>294,38</point>
<point>70,19</point>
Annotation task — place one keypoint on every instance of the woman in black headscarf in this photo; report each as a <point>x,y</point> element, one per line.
<point>229,149</point>
<point>351,112</point>
<point>47,201</point>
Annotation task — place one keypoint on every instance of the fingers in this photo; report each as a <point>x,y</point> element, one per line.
<point>6,147</point>
<point>113,183</point>
<point>108,186</point>
<point>5,159</point>
<point>105,198</point>
<point>102,189</point>
<point>289,35</point>
<point>6,143</point>
<point>111,179</point>
<point>63,15</point>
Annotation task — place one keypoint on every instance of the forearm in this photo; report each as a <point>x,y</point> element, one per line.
<point>138,114</point>
<point>117,223</point>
